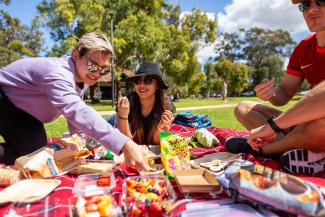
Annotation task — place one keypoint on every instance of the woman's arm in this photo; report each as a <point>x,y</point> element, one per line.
<point>164,124</point>
<point>122,114</point>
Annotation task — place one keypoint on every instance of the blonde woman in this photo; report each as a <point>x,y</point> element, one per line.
<point>35,91</point>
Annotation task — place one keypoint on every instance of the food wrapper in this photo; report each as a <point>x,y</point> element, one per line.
<point>203,137</point>
<point>28,190</point>
<point>69,149</point>
<point>255,183</point>
<point>39,164</point>
<point>9,176</point>
<point>146,153</point>
<point>175,154</point>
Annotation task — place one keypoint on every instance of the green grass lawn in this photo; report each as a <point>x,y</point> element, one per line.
<point>106,105</point>
<point>221,117</point>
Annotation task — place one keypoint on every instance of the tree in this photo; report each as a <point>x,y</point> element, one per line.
<point>261,49</point>
<point>196,83</point>
<point>271,66</point>
<point>7,2</point>
<point>143,30</point>
<point>212,79</point>
<point>195,32</point>
<point>17,40</point>
<point>230,47</point>
<point>235,74</point>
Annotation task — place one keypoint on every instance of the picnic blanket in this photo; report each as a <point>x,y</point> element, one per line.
<point>57,203</point>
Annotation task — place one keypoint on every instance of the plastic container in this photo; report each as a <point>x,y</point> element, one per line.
<point>148,196</point>
<point>89,166</point>
<point>99,205</point>
<point>159,170</point>
<point>155,149</point>
<point>87,185</point>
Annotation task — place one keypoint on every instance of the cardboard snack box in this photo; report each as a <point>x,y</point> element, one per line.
<point>196,181</point>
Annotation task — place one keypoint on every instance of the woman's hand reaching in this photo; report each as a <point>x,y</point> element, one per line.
<point>166,120</point>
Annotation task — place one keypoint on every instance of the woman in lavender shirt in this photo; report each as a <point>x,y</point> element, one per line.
<point>34,91</point>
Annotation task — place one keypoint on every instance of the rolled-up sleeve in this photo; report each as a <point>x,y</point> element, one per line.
<point>65,99</point>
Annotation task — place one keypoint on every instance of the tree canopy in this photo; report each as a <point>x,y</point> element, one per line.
<point>143,30</point>
<point>17,40</point>
<point>157,31</point>
<point>261,49</point>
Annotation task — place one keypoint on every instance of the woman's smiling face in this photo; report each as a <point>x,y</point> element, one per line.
<point>145,86</point>
<point>99,59</point>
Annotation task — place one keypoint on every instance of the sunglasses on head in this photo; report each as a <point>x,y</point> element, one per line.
<point>147,80</point>
<point>94,68</point>
<point>305,5</point>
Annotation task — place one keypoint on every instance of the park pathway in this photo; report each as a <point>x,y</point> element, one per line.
<point>184,109</point>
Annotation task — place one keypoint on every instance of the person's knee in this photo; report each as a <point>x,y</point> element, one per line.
<point>243,108</point>
<point>314,135</point>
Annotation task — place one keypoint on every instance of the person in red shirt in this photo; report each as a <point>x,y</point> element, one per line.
<point>306,63</point>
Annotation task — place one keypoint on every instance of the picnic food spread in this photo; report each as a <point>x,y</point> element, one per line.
<point>109,188</point>
<point>147,196</point>
<point>95,206</point>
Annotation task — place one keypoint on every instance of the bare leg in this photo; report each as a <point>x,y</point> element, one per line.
<point>309,136</point>
<point>252,114</point>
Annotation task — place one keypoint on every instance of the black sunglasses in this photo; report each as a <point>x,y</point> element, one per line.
<point>147,80</point>
<point>305,5</point>
<point>94,68</point>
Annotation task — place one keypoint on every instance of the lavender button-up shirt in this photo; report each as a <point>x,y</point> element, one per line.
<point>46,89</point>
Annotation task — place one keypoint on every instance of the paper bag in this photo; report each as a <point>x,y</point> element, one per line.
<point>68,149</point>
<point>39,164</point>
<point>28,190</point>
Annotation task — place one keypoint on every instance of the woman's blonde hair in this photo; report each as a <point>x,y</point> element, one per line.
<point>94,41</point>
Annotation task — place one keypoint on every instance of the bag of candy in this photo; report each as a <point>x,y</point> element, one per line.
<point>175,154</point>
<point>258,184</point>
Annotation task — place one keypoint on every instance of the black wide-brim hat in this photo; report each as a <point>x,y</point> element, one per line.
<point>150,69</point>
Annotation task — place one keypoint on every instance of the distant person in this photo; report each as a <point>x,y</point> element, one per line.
<point>35,91</point>
<point>225,91</point>
<point>147,111</point>
<point>97,95</point>
<point>306,62</point>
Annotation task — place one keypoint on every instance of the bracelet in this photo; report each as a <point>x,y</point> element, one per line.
<point>122,118</point>
<point>273,125</point>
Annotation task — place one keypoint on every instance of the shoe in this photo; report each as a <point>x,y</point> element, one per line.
<point>238,144</point>
<point>303,161</point>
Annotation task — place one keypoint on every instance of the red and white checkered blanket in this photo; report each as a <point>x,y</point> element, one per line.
<point>57,203</point>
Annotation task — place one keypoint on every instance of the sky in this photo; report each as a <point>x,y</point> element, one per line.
<point>230,14</point>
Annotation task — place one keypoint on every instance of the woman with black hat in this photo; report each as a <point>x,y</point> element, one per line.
<point>147,111</point>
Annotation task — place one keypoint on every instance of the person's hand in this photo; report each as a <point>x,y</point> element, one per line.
<point>166,120</point>
<point>265,90</point>
<point>134,156</point>
<point>260,136</point>
<point>123,107</point>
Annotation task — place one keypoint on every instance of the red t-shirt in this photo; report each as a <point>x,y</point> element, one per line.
<point>308,61</point>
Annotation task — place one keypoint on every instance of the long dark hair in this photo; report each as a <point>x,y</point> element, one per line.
<point>162,103</point>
